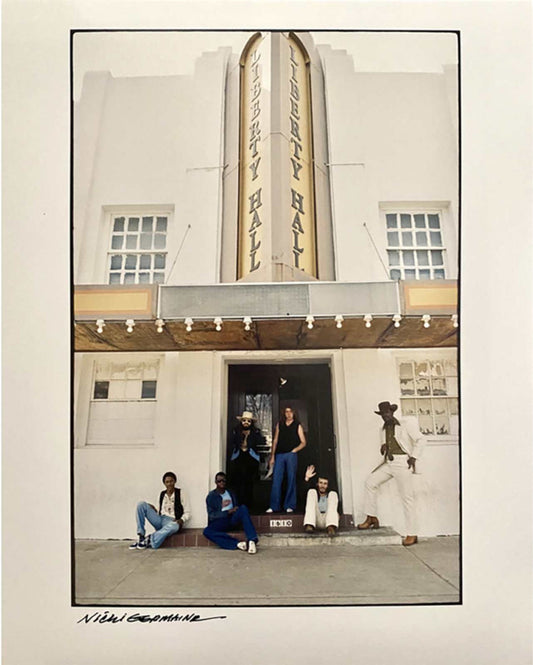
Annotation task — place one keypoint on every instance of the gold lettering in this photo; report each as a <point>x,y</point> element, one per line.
<point>297,201</point>
<point>255,222</point>
<point>294,71</point>
<point>255,200</point>
<point>255,90</point>
<point>295,168</point>
<point>297,148</point>
<point>295,129</point>
<point>253,264</point>
<point>255,109</point>
<point>254,166</point>
<point>254,247</point>
<point>293,54</point>
<point>297,224</point>
<point>294,92</point>
<point>294,109</point>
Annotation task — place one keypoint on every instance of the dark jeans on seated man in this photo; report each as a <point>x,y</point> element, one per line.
<point>217,529</point>
<point>224,514</point>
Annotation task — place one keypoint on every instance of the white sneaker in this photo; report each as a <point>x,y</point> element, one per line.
<point>289,510</point>
<point>252,549</point>
<point>269,510</point>
<point>242,546</point>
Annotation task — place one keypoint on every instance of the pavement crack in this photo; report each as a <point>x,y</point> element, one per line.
<point>130,572</point>
<point>435,572</point>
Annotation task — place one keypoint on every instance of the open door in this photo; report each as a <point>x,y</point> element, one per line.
<point>267,390</point>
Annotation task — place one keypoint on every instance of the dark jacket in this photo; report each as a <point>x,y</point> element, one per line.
<point>214,505</point>
<point>255,438</point>
<point>178,508</point>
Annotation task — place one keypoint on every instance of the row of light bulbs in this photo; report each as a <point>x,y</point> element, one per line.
<point>247,320</point>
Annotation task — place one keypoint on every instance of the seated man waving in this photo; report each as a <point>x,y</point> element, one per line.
<point>321,505</point>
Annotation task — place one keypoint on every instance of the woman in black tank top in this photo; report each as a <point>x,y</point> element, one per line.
<point>289,439</point>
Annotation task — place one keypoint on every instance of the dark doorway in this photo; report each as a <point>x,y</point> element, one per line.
<point>266,390</point>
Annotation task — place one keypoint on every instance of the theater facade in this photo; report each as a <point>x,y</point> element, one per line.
<point>278,228</point>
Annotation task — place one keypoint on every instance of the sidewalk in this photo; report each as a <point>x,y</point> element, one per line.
<point>108,573</point>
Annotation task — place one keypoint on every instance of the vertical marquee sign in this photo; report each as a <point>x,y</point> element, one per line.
<point>276,163</point>
<point>252,164</point>
<point>302,199</point>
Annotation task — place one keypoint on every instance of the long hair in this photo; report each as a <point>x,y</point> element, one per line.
<point>281,421</point>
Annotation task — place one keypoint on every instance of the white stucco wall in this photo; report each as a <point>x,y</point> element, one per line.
<point>190,440</point>
<point>392,140</point>
<point>110,480</point>
<point>371,377</point>
<point>151,142</point>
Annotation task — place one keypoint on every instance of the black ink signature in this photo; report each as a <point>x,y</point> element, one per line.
<point>110,617</point>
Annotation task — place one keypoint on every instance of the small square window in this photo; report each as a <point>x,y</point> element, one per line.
<point>131,262</point>
<point>101,390</point>
<point>392,222</point>
<point>148,389</point>
<point>133,224</point>
<point>145,262</point>
<point>119,224</point>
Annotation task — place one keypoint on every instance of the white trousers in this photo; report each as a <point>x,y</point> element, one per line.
<point>403,476</point>
<point>314,517</point>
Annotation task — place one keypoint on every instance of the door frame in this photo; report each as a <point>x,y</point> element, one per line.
<point>219,406</point>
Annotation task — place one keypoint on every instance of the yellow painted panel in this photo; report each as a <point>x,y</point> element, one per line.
<point>101,302</point>
<point>432,296</point>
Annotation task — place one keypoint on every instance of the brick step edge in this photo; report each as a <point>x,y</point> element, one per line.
<point>195,537</point>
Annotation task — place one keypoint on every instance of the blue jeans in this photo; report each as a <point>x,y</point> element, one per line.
<point>284,462</point>
<point>216,530</point>
<point>165,526</point>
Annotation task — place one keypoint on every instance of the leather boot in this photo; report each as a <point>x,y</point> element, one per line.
<point>371,522</point>
<point>332,530</point>
<point>309,528</point>
<point>409,540</point>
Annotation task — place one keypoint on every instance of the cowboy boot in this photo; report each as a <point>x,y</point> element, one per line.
<point>409,540</point>
<point>371,522</point>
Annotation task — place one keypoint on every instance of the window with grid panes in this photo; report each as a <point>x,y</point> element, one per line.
<point>429,391</point>
<point>414,245</point>
<point>123,399</point>
<point>137,252</point>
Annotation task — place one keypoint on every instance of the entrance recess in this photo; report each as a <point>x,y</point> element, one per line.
<point>267,390</point>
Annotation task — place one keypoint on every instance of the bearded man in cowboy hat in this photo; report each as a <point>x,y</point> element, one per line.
<point>244,460</point>
<point>402,444</point>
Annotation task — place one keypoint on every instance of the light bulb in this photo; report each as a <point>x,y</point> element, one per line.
<point>339,319</point>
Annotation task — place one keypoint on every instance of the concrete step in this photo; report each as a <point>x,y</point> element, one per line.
<point>284,537</point>
<point>382,536</point>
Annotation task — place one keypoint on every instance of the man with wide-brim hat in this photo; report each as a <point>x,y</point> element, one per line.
<point>402,443</point>
<point>244,460</point>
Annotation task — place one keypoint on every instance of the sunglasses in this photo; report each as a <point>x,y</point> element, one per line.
<point>220,480</point>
